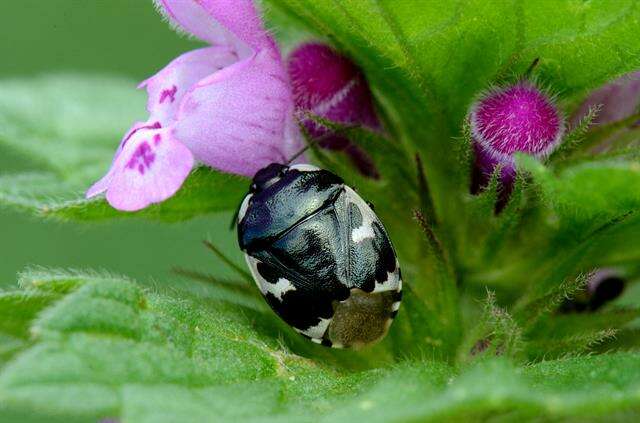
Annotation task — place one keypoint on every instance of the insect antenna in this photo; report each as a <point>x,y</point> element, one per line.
<point>310,144</point>
<point>234,218</point>
<point>234,285</point>
<point>311,141</point>
<point>226,260</point>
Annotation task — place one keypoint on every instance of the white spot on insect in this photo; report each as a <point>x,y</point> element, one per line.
<point>253,267</point>
<point>395,306</point>
<point>393,282</point>
<point>362,232</point>
<point>305,167</point>
<point>317,331</point>
<point>365,230</point>
<point>243,207</point>
<point>278,289</point>
<point>316,340</point>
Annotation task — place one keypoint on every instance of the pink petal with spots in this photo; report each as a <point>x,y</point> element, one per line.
<point>237,120</point>
<point>168,86</point>
<point>102,185</point>
<point>151,168</point>
<point>219,22</point>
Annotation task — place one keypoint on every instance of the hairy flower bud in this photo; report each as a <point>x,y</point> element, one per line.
<point>329,85</point>
<point>508,120</point>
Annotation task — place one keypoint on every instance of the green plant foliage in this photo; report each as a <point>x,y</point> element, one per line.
<point>481,333</point>
<point>149,356</point>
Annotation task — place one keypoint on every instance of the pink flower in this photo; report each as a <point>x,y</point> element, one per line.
<point>228,106</point>
<point>329,85</point>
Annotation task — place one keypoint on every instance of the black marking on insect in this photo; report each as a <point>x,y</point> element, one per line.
<point>319,255</point>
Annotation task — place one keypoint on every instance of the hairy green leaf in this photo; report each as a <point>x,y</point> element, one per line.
<point>99,346</point>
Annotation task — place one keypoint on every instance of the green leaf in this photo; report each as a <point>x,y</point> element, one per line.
<point>100,346</point>
<point>597,189</point>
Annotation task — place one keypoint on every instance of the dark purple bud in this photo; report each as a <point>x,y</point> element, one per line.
<point>504,121</point>
<point>329,85</point>
<point>603,286</point>
<point>617,100</point>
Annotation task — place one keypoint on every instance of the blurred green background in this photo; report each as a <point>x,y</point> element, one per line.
<point>122,37</point>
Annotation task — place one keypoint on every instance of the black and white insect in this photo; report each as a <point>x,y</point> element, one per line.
<point>319,255</point>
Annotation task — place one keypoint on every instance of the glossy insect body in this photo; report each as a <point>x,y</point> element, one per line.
<point>319,255</point>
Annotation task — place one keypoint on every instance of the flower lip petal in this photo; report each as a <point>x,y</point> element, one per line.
<point>138,126</point>
<point>219,22</point>
<point>101,185</point>
<point>166,88</point>
<point>151,168</point>
<point>237,120</point>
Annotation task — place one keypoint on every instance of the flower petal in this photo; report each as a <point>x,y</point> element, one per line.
<point>238,119</point>
<point>219,22</point>
<point>150,169</point>
<point>167,87</point>
<point>102,185</point>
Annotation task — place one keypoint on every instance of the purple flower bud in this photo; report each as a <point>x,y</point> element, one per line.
<point>508,120</point>
<point>604,286</point>
<point>617,100</point>
<point>329,85</point>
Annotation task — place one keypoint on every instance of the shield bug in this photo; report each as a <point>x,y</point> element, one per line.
<point>319,255</point>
